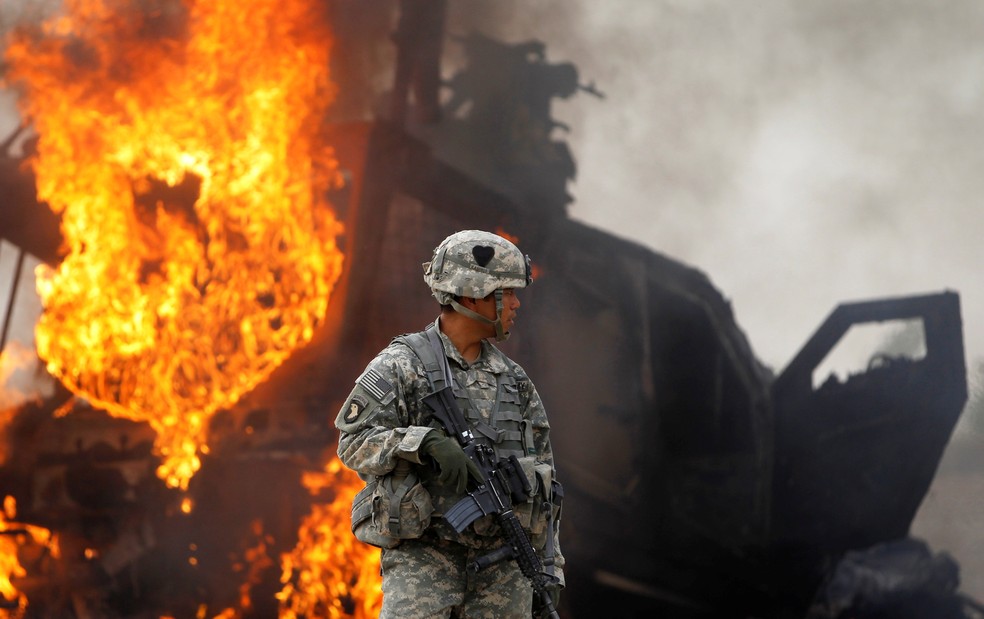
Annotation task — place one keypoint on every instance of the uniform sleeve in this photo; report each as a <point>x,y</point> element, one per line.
<point>374,423</point>
<point>537,414</point>
<point>534,411</point>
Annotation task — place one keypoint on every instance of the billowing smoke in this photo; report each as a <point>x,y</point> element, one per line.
<point>801,154</point>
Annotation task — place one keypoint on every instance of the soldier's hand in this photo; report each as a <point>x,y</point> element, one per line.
<point>454,464</point>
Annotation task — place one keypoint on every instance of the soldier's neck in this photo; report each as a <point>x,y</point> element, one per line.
<point>466,334</point>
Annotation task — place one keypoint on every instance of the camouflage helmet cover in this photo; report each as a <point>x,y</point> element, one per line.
<point>474,264</point>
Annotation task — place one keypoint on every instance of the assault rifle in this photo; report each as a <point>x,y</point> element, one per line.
<point>502,483</point>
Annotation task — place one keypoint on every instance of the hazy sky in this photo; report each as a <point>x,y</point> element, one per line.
<point>799,153</point>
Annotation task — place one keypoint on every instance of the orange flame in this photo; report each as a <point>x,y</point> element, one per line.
<point>512,238</point>
<point>13,357</point>
<point>329,573</point>
<point>180,146</point>
<point>10,566</point>
<point>255,562</point>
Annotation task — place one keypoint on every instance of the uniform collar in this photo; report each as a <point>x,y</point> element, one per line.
<point>490,358</point>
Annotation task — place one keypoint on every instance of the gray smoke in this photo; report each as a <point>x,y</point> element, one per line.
<point>801,154</point>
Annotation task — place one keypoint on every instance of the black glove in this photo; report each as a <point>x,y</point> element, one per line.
<point>454,464</point>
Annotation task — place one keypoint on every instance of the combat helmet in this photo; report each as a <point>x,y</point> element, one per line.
<point>475,264</point>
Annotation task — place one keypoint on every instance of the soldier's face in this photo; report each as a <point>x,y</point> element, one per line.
<point>510,303</point>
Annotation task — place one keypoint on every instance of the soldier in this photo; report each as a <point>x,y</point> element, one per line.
<point>415,472</point>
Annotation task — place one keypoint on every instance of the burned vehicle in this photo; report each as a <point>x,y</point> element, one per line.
<point>695,479</point>
<point>699,483</point>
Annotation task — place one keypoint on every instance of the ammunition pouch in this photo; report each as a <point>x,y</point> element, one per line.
<point>391,508</point>
<point>535,513</point>
<point>556,509</point>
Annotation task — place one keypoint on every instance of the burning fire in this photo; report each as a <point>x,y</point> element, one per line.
<point>14,601</point>
<point>329,573</point>
<point>255,562</point>
<point>179,141</point>
<point>512,238</point>
<point>13,357</point>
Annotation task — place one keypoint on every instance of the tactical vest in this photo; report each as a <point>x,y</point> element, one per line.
<point>506,431</point>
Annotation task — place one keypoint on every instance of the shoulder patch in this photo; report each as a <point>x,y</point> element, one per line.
<point>356,406</point>
<point>357,410</point>
<point>525,388</point>
<point>374,383</point>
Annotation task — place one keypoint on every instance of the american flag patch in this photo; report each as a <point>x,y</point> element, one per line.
<point>377,386</point>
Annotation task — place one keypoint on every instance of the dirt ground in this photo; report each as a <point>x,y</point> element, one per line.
<point>951,517</point>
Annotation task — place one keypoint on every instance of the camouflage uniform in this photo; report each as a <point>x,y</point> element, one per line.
<point>382,425</point>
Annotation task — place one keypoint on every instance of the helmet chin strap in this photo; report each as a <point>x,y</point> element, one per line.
<point>500,334</point>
